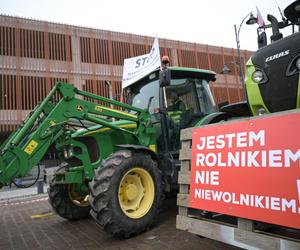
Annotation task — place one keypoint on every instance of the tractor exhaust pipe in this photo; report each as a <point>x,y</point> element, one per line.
<point>275,29</point>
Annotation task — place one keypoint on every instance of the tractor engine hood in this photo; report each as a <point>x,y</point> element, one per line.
<point>280,85</point>
<point>101,129</point>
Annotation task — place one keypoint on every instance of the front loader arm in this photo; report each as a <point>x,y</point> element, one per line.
<point>47,123</point>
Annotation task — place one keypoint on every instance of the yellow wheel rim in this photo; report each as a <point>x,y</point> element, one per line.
<point>136,193</point>
<point>78,199</point>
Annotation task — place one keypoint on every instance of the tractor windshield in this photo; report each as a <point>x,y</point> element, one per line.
<point>193,93</point>
<point>144,96</point>
<point>188,100</point>
<point>206,100</point>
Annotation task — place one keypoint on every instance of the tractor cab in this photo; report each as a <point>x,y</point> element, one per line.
<point>180,102</point>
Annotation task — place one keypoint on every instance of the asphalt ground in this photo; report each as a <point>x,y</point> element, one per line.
<point>29,223</point>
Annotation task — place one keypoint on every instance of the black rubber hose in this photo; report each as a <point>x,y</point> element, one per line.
<point>30,185</point>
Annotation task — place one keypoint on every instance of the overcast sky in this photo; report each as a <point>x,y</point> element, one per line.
<point>201,21</point>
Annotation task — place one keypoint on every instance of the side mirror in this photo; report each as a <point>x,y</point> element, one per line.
<point>262,40</point>
<point>164,77</point>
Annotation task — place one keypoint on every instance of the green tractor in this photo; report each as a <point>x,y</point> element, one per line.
<point>272,73</point>
<point>120,159</point>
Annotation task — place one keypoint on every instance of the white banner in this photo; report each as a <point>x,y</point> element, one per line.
<point>137,67</point>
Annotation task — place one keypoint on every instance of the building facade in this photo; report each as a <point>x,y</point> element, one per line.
<point>34,55</point>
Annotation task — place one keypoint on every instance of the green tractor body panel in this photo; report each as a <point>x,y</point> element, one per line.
<point>56,125</point>
<point>254,97</point>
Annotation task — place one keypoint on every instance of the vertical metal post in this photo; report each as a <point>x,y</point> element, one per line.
<point>251,20</point>
<point>40,186</point>
<point>239,60</point>
<point>110,92</point>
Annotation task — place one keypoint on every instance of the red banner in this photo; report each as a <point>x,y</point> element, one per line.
<point>249,169</point>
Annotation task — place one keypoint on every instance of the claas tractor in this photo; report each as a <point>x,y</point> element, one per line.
<point>272,73</point>
<point>119,159</point>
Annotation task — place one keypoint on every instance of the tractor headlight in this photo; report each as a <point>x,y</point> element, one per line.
<point>298,63</point>
<point>258,76</point>
<point>261,111</point>
<point>68,153</point>
<point>293,67</point>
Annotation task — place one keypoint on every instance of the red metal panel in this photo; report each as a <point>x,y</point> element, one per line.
<point>33,43</point>
<point>6,128</point>
<point>179,54</point>
<point>56,47</point>
<point>1,40</point>
<point>2,115</point>
<point>27,45</point>
<point>61,47</point>
<point>18,71</point>
<point>30,92</point>
<point>46,52</point>
<point>7,106</point>
<point>67,54</point>
<point>81,49</point>
<point>67,47</point>
<point>92,50</point>
<point>21,42</point>
<point>8,47</point>
<point>110,56</point>
<point>13,94</point>
<point>50,46</point>
<point>209,67</point>
<point>196,55</point>
<point>39,44</point>
<point>86,50</point>
<point>131,54</point>
<point>96,48</point>
<point>5,40</point>
<point>24,43</point>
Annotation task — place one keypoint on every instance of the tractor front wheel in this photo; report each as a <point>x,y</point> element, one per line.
<point>68,202</point>
<point>126,193</point>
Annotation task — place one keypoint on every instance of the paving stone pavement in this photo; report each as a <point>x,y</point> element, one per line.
<point>12,193</point>
<point>18,230</point>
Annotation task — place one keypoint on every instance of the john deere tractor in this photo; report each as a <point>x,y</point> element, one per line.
<point>119,158</point>
<point>272,73</point>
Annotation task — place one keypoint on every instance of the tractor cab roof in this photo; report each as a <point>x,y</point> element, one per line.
<point>180,72</point>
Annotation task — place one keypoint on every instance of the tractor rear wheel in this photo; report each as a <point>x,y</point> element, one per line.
<point>126,193</point>
<point>68,202</point>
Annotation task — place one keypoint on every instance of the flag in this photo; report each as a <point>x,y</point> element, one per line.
<point>260,21</point>
<point>137,67</point>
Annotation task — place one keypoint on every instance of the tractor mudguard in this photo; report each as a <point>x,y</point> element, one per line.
<point>139,148</point>
<point>213,118</point>
<point>239,109</point>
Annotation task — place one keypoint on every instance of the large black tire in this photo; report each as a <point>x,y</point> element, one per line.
<point>63,205</point>
<point>107,187</point>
